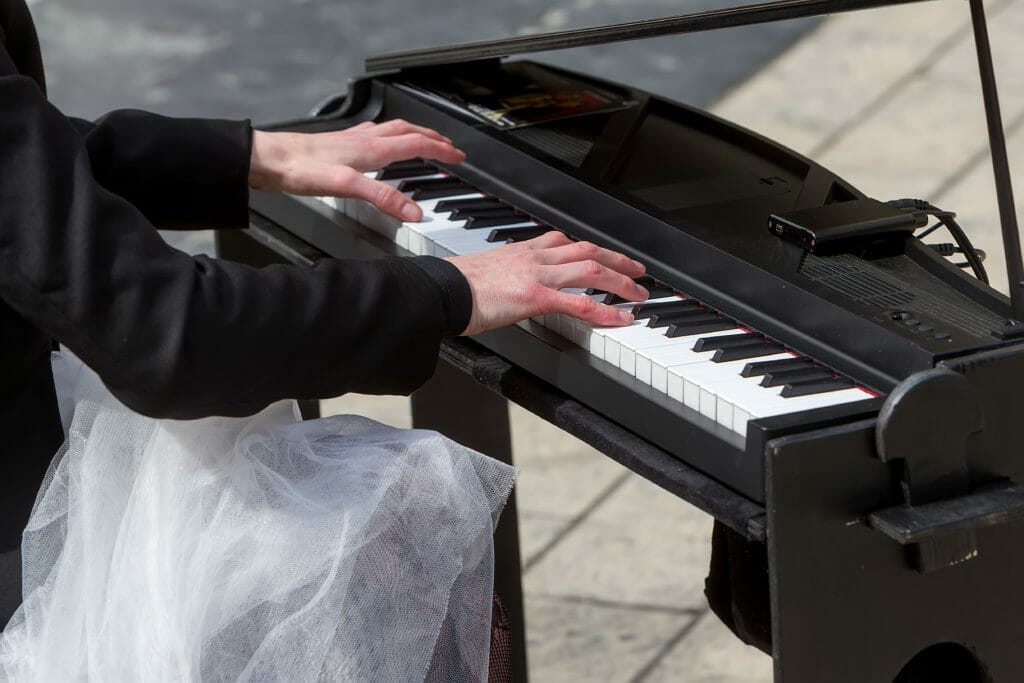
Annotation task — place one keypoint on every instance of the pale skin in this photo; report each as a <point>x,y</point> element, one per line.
<point>509,283</point>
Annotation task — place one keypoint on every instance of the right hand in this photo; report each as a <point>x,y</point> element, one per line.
<point>522,280</point>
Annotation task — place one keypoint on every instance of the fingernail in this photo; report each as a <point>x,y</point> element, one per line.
<point>411,213</point>
<point>642,294</point>
<point>625,317</point>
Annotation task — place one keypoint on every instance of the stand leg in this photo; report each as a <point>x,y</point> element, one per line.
<point>454,404</point>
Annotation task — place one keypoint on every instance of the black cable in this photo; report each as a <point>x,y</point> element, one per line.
<point>945,219</point>
<point>949,249</point>
<point>925,233</point>
<point>970,253</point>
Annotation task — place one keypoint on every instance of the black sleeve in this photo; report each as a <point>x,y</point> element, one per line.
<point>180,336</point>
<point>180,173</point>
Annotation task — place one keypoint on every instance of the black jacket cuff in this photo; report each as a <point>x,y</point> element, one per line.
<point>455,292</point>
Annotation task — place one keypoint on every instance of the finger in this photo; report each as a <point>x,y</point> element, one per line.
<point>402,127</point>
<point>592,274</point>
<point>411,145</point>
<point>588,310</point>
<point>551,238</point>
<point>588,251</point>
<point>383,196</point>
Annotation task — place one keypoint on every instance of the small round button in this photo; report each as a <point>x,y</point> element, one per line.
<point>912,322</point>
<point>925,328</point>
<point>941,335</point>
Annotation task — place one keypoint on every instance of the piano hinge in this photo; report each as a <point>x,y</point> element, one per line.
<point>927,423</point>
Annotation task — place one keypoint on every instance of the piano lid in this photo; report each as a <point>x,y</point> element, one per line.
<point>635,30</point>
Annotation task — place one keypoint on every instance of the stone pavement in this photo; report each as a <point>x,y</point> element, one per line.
<point>613,567</point>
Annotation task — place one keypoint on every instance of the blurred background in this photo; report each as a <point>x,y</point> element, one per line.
<point>613,567</point>
<point>273,60</point>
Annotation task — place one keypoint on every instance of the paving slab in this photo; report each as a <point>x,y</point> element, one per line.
<point>710,653</point>
<point>641,546</point>
<point>570,640</point>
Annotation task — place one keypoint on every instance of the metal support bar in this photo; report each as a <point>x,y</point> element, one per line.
<point>1000,161</point>
<point>728,17</point>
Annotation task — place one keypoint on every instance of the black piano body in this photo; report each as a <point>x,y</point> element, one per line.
<point>887,523</point>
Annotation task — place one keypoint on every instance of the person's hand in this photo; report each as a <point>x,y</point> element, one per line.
<point>522,280</point>
<point>333,163</point>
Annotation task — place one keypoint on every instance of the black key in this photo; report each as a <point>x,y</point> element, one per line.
<point>516,234</point>
<point>755,350</point>
<point>761,367</point>
<point>435,188</point>
<point>409,163</point>
<point>641,311</point>
<point>646,281</point>
<point>477,222</point>
<point>815,387</point>
<point>653,292</point>
<point>777,379</point>
<point>655,289</point>
<point>471,203</point>
<point>406,169</point>
<point>489,218</point>
<point>727,341</point>
<point>688,328</point>
<point>696,316</point>
<point>485,212</point>
<point>612,299</point>
<point>658,290</point>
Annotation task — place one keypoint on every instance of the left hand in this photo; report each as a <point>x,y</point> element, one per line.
<point>333,163</point>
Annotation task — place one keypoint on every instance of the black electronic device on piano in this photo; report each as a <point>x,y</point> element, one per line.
<point>799,336</point>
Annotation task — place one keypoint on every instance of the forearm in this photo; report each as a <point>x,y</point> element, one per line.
<point>182,336</point>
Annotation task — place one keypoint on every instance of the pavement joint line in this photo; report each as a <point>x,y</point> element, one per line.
<point>576,520</point>
<point>980,156</point>
<point>923,66</point>
<point>619,604</point>
<point>960,33</point>
<point>669,645</point>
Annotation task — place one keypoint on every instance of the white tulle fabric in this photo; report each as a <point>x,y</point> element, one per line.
<point>262,549</point>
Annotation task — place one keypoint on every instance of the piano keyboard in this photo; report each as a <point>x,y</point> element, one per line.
<point>676,345</point>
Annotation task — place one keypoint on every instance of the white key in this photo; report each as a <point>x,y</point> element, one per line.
<point>652,363</point>
<point>752,407</point>
<point>686,381</point>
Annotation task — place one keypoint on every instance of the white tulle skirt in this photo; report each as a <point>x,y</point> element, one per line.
<point>262,548</point>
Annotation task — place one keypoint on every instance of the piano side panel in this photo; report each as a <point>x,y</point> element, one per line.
<point>847,606</point>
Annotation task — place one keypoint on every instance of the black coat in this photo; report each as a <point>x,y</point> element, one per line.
<point>172,335</point>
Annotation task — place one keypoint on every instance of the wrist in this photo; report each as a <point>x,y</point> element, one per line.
<point>262,161</point>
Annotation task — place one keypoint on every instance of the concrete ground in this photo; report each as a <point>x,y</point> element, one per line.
<point>613,567</point>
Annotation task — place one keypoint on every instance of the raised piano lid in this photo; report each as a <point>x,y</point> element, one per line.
<point>634,30</point>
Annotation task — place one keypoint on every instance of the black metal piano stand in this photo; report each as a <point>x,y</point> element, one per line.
<point>863,587</point>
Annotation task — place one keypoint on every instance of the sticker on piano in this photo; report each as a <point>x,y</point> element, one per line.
<point>514,95</point>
